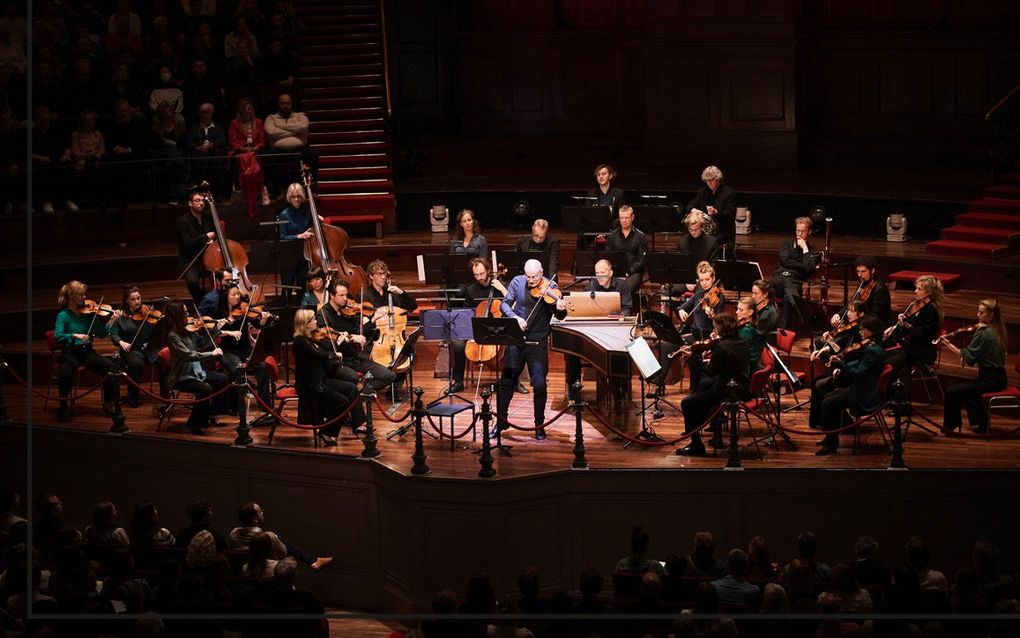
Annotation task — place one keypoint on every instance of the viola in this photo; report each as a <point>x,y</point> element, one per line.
<point>148,314</point>
<point>325,248</point>
<point>843,328</point>
<point>325,332</point>
<point>100,309</point>
<point>865,290</point>
<point>244,309</point>
<point>911,311</point>
<point>712,297</point>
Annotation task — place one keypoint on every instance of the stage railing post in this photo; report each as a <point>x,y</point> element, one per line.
<point>4,417</point>
<point>732,408</point>
<point>119,425</point>
<point>898,406</point>
<point>368,397</point>
<point>486,460</point>
<point>419,468</point>
<point>240,383</point>
<point>577,405</point>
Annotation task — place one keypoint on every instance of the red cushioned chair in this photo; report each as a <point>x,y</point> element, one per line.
<point>1008,399</point>
<point>55,351</point>
<point>876,415</point>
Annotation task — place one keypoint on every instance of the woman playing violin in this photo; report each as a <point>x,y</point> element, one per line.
<point>853,385</point>
<point>706,302</point>
<point>986,351</point>
<point>322,397</point>
<point>315,296</point>
<point>132,333</point>
<point>835,340</point>
<point>186,371</point>
<point>917,327</point>
<point>77,324</point>
<point>533,300</point>
<point>470,240</point>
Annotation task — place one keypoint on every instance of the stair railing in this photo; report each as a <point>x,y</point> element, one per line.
<point>1003,120</point>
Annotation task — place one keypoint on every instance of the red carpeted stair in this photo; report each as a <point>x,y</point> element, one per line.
<point>991,225</point>
<point>344,95</point>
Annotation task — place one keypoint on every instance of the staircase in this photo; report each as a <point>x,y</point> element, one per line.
<point>990,227</point>
<point>343,92</point>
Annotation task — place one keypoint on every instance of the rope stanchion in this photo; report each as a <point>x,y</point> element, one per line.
<point>119,425</point>
<point>243,438</point>
<point>486,460</point>
<point>419,467</point>
<point>899,407</point>
<point>525,428</point>
<point>577,405</point>
<point>732,405</point>
<point>686,435</point>
<point>369,441</point>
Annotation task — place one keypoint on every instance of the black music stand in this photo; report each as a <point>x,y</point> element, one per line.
<point>514,260</point>
<point>273,256</point>
<point>585,260</point>
<point>669,269</point>
<point>739,275</point>
<point>586,219</point>
<point>406,352</point>
<point>659,219</point>
<point>447,269</point>
<point>647,366</point>
<point>447,326</point>
<point>269,343</point>
<point>497,331</point>
<point>665,332</point>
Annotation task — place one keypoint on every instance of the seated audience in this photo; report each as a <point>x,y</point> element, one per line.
<point>105,529</point>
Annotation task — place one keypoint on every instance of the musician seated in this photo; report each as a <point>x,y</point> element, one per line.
<point>74,331</point>
<point>132,333</point>
<point>214,302</point>
<point>323,398</point>
<point>470,240</point>
<point>604,193</point>
<point>316,295</point>
<point>379,289</point>
<point>853,385</point>
<point>845,333</point>
<point>629,239</point>
<point>483,289</point>
<point>754,339</point>
<point>238,330</point>
<point>357,331</point>
<point>696,242</point>
<point>186,371</point>
<point>916,327</point>
<point>766,317</point>
<point>796,263</point>
<point>539,240</point>
<point>718,201</point>
<point>602,282</point>
<point>700,310</point>
<point>872,291</point>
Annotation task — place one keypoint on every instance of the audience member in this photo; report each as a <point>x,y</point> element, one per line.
<point>105,529</point>
<point>706,601</point>
<point>145,527</point>
<point>733,588</point>
<point>201,88</point>
<point>247,139</point>
<point>761,565</point>
<point>171,172</point>
<point>637,560</point>
<point>206,144</point>
<point>123,87</point>
<point>166,91</point>
<point>829,603</point>
<point>853,598</point>
<point>242,68</point>
<point>278,64</point>
<point>529,582</point>
<point>260,563</point>
<point>918,557</point>
<point>49,512</point>
<point>287,132</point>
<point>807,544</point>
<point>241,33</point>
<point>444,602</point>
<point>200,513</point>
<point>702,561</point>
<point>867,570</point>
<point>10,499</point>
<point>252,518</point>
<point>13,150</point>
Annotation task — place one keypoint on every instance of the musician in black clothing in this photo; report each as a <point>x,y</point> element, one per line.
<point>696,242</point>
<point>604,192</point>
<point>718,201</point>
<point>730,361</point>
<point>133,339</point>
<point>602,282</point>
<point>194,230</point>
<point>533,314</point>
<point>916,328</point>
<point>214,302</point>
<point>871,291</point>
<point>379,288</point>
<point>834,341</point>
<point>359,331</point>
<point>483,288</point>
<point>796,263</point>
<point>539,240</point>
<point>323,397</point>
<point>629,239</point>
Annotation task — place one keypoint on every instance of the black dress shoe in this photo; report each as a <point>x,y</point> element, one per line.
<point>821,442</point>
<point>522,389</point>
<point>361,430</point>
<point>981,429</point>
<point>326,439</point>
<point>540,434</point>
<point>717,442</point>
<point>194,429</point>
<point>691,450</point>
<point>456,386</point>
<point>825,451</point>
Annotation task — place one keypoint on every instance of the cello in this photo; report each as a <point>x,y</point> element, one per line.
<point>325,248</point>
<point>488,308</point>
<point>225,254</point>
<point>391,321</point>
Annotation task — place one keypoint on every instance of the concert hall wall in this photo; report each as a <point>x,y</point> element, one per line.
<point>745,83</point>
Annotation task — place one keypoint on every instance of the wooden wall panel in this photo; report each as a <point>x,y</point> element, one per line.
<point>527,85</point>
<point>485,82</point>
<point>534,535</point>
<point>758,95</point>
<point>418,76</point>
<point>905,87</point>
<point>680,93</point>
<point>458,543</point>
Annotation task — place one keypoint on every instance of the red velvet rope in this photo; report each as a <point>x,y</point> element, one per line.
<point>467,430</point>
<point>382,410</point>
<point>524,428</point>
<point>303,426</point>
<point>39,393</point>
<point>167,400</point>
<point>974,435</point>
<point>685,435</point>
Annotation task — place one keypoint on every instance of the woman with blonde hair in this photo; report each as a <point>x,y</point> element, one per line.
<point>916,328</point>
<point>295,224</point>
<point>987,351</point>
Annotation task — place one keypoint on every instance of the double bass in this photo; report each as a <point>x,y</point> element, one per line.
<point>225,254</point>
<point>325,248</point>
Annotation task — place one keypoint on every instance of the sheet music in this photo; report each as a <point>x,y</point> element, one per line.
<point>421,267</point>
<point>643,357</point>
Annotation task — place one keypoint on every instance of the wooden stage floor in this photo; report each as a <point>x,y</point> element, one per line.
<point>530,456</point>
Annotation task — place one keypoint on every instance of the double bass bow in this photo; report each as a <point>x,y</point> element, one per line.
<point>325,248</point>
<point>224,253</point>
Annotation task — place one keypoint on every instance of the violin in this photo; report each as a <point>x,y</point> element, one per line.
<point>325,332</point>
<point>244,309</point>
<point>911,311</point>
<point>959,331</point>
<point>100,309</point>
<point>354,309</point>
<point>843,328</point>
<point>864,290</point>
<point>547,293</point>
<point>146,314</point>
<point>695,347</point>
<point>197,324</point>
<point>712,297</point>
<point>849,350</point>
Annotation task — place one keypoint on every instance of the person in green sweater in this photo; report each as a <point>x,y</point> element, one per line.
<point>755,340</point>
<point>75,330</point>
<point>987,352</point>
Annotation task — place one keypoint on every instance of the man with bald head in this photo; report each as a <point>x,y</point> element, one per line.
<point>533,313</point>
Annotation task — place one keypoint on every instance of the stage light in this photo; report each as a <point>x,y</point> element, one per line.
<point>521,209</point>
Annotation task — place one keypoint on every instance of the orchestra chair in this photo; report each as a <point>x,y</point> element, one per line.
<point>164,370</point>
<point>283,394</point>
<point>760,401</point>
<point>784,344</point>
<point>929,374</point>
<point>877,415</point>
<point>1007,399</point>
<point>55,352</point>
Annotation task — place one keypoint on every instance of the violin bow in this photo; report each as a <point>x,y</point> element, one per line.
<point>208,333</point>
<point>92,324</point>
<point>141,325</point>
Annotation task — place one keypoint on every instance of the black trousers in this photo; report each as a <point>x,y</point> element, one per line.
<point>333,398</point>
<point>968,394</point>
<point>74,356</point>
<point>789,290</point>
<point>200,412</point>
<point>536,358</point>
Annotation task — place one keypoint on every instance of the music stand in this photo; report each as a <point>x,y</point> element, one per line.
<point>647,366</point>
<point>445,269</point>
<point>586,219</point>
<point>273,256</point>
<point>498,331</point>
<point>739,275</point>
<point>668,269</point>
<point>585,260</point>
<point>514,260</point>
<point>658,219</point>
<point>406,352</point>
<point>664,330</point>
<point>447,326</point>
